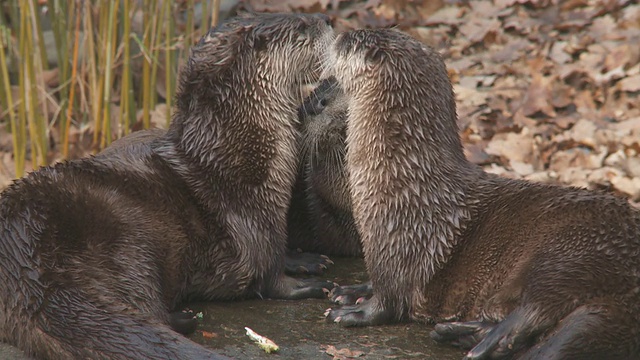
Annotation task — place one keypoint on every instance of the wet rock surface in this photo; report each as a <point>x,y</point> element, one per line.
<point>300,330</point>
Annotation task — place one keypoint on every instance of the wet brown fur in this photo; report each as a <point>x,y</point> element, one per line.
<point>555,266</point>
<point>94,253</point>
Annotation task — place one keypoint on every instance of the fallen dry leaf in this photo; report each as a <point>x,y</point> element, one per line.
<point>343,353</point>
<point>546,90</point>
<point>208,335</point>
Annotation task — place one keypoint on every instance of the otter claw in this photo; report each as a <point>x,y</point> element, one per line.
<point>351,294</point>
<point>302,263</point>
<point>369,312</point>
<point>463,334</point>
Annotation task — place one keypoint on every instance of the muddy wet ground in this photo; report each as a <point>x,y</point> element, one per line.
<point>300,330</point>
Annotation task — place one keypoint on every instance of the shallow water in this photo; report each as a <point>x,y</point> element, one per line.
<point>300,330</point>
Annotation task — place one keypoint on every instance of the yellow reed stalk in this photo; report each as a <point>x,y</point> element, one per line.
<point>215,12</point>
<point>125,91</point>
<point>37,125</point>
<point>108,76</point>
<point>95,98</point>
<point>189,31</point>
<point>204,21</point>
<point>74,70</point>
<point>148,91</point>
<point>168,61</point>
<point>58,13</point>
<point>37,31</point>
<point>102,35</point>
<point>39,95</point>
<point>155,47</point>
<point>18,145</point>
<point>24,74</point>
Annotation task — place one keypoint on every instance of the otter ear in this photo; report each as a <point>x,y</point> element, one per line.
<point>215,50</point>
<point>226,30</point>
<point>373,55</point>
<point>246,14</point>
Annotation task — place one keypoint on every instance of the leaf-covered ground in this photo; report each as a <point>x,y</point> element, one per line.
<point>547,90</point>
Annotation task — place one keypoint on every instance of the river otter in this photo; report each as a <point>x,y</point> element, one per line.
<point>517,263</point>
<point>95,252</point>
<point>323,180</point>
<point>320,218</point>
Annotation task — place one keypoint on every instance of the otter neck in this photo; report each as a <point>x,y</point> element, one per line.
<point>407,156</point>
<point>234,141</point>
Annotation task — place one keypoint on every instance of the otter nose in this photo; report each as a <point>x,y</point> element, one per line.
<point>324,18</point>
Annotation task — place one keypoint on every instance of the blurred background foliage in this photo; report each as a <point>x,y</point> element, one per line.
<point>75,75</point>
<point>547,90</point>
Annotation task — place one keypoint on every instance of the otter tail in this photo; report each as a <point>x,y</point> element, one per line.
<point>46,312</point>
<point>599,331</point>
<point>68,326</point>
<point>605,329</point>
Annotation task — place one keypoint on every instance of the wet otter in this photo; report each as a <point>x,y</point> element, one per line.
<point>94,253</point>
<point>322,188</point>
<point>320,218</point>
<point>517,263</point>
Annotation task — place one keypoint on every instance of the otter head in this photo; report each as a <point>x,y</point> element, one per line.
<point>254,58</point>
<point>389,74</point>
<point>242,82</point>
<point>323,117</point>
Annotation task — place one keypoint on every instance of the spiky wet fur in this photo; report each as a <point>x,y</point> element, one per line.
<point>443,240</point>
<point>95,252</point>
<point>397,189</point>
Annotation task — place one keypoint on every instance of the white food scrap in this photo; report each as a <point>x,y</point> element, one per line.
<point>267,345</point>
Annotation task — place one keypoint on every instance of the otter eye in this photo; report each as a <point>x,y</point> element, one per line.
<point>323,102</point>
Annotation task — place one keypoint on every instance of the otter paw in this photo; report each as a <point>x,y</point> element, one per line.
<point>313,288</point>
<point>351,294</point>
<point>293,289</point>
<point>461,334</point>
<point>304,263</point>
<point>183,322</point>
<point>508,337</point>
<point>368,312</point>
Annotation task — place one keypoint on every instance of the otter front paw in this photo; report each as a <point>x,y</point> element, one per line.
<point>304,263</point>
<point>351,294</point>
<point>183,322</point>
<point>462,334</point>
<point>366,313</point>
<point>294,289</point>
<point>516,332</point>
